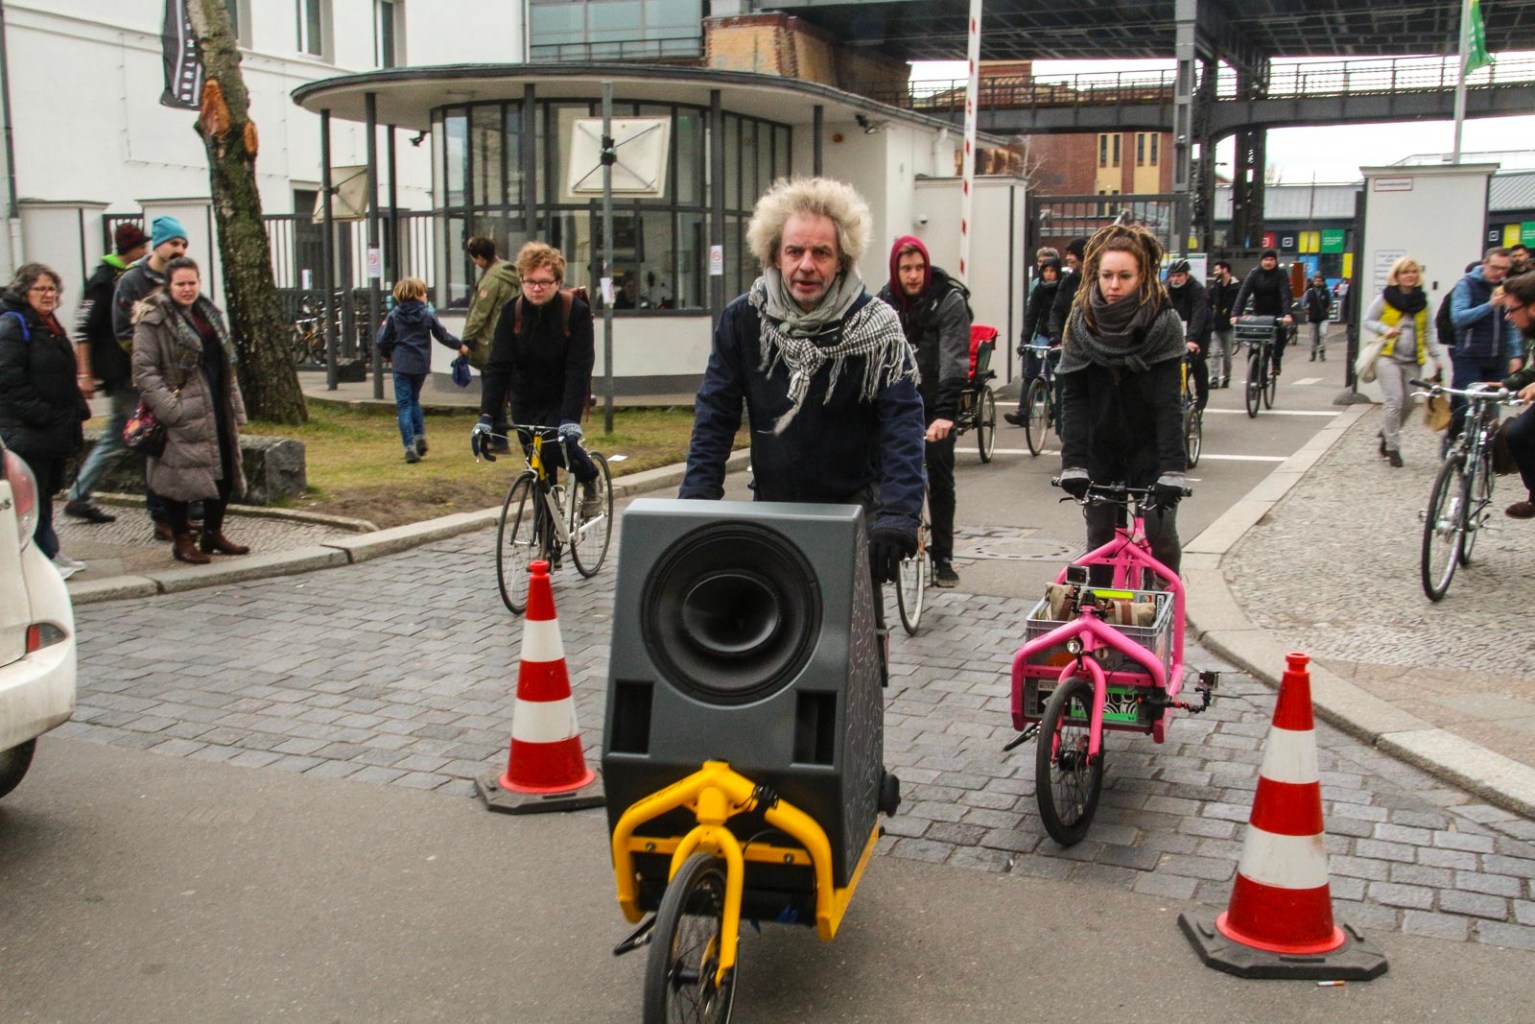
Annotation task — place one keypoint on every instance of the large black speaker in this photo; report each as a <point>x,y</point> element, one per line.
<point>744,632</point>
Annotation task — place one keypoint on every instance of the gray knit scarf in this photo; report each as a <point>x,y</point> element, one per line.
<point>1129,335</point>
<point>804,342</point>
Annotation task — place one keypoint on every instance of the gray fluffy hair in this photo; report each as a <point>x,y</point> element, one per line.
<point>825,197</point>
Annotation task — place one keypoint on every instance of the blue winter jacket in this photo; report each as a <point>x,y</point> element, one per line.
<point>406,337</point>
<point>1481,330</point>
<point>829,452</point>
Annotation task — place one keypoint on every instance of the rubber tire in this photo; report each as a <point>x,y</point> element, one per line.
<point>1036,417</point>
<point>516,544</point>
<point>1193,435</point>
<point>589,557</point>
<point>1485,478</point>
<point>14,764</point>
<point>1270,391</point>
<point>1447,484</point>
<point>986,423</point>
<point>699,883</point>
<point>1254,394</point>
<point>1066,826</point>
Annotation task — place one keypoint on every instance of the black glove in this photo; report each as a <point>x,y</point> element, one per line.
<point>481,436</point>
<point>1075,482</point>
<point>887,547</point>
<point>1168,490</point>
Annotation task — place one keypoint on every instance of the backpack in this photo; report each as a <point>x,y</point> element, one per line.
<point>1444,324</point>
<point>567,302</point>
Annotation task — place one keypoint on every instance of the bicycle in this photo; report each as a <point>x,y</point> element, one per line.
<point>977,404</point>
<point>1459,503</point>
<point>915,576</point>
<point>1193,416</point>
<point>1096,659</point>
<point>1259,333</point>
<point>1041,401</point>
<point>539,519</point>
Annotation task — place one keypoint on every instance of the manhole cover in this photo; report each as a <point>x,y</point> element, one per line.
<point>1010,543</point>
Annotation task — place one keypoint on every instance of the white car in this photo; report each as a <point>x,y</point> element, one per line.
<point>37,629</point>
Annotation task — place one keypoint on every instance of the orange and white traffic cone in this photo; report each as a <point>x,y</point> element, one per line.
<point>1279,921</point>
<point>546,769</point>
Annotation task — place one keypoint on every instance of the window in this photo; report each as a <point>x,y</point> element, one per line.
<point>1103,151</point>
<point>575,30</point>
<point>386,33</point>
<point>1117,140</point>
<point>1156,142</point>
<point>239,20</point>
<point>1140,149</point>
<point>313,32</point>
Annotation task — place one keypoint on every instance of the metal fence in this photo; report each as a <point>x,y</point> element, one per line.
<point>297,242</point>
<point>305,309</point>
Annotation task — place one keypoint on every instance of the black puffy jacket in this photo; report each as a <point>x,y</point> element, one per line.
<point>41,407</point>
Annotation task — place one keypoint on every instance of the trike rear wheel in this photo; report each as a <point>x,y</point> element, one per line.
<point>986,422</point>
<point>680,985</point>
<point>1067,782</point>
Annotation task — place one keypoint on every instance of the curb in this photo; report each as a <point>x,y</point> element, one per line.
<point>1214,619</point>
<point>341,551</point>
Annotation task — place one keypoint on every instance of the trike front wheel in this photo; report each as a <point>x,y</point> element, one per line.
<point>680,983</point>
<point>517,544</point>
<point>1067,782</point>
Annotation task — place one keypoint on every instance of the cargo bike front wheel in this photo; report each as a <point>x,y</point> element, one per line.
<point>1067,781</point>
<point>681,985</point>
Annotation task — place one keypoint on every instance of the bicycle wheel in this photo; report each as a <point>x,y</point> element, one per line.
<point>517,543</point>
<point>1444,527</point>
<point>1270,385</point>
<point>912,582</point>
<point>1067,782</point>
<point>1255,370</point>
<point>589,535</point>
<point>1478,499</point>
<point>986,422</point>
<point>1036,405</point>
<point>1193,434</point>
<point>685,949</point>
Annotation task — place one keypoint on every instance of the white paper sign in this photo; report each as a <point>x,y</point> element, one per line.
<point>375,264</point>
<point>306,279</point>
<point>716,261</point>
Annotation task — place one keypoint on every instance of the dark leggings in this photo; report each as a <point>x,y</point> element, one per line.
<point>1161,533</point>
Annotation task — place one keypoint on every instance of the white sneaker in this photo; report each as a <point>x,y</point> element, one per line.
<point>67,566</point>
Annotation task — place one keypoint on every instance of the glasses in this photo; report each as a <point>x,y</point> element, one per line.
<point>1511,308</point>
<point>547,282</point>
<point>44,290</point>
<point>1498,266</point>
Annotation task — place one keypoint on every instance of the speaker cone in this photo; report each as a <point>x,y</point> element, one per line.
<point>731,612</point>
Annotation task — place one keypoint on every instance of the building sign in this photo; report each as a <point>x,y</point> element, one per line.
<point>1333,239</point>
<point>1393,184</point>
<point>1527,233</point>
<point>1269,240</point>
<point>1384,258</point>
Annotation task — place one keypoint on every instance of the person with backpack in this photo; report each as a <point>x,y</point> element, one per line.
<point>405,339</point>
<point>1317,301</point>
<point>1399,315</point>
<point>542,356</point>
<point>41,406</point>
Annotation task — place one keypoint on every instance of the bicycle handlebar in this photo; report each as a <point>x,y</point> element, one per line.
<point>1500,394</point>
<point>1116,494</point>
<point>479,440</point>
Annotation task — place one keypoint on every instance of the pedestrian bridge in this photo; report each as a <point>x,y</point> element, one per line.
<point>1308,93</point>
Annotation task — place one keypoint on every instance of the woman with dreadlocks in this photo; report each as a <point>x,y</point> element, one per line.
<point>1121,414</point>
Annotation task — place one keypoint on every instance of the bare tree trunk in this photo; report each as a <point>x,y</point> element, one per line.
<point>267,377</point>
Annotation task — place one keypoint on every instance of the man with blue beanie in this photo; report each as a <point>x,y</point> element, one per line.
<point>167,240</point>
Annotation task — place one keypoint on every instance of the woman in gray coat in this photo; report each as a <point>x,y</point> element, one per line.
<point>184,366</point>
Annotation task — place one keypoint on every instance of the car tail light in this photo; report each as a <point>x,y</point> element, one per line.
<point>23,494</point>
<point>43,634</point>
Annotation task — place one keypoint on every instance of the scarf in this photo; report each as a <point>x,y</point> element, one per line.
<point>1410,303</point>
<point>789,336</point>
<point>1128,335</point>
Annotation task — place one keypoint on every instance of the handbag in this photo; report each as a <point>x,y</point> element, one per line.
<point>1364,366</point>
<point>144,433</point>
<point>1436,413</point>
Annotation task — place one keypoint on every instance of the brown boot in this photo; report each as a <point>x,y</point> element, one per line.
<point>185,550</point>
<point>220,544</point>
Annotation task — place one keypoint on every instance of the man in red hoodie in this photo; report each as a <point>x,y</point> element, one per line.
<point>935,314</point>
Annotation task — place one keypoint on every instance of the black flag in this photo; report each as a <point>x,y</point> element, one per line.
<point>183,63</point>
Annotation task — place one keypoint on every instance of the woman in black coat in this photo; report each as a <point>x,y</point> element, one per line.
<point>41,407</point>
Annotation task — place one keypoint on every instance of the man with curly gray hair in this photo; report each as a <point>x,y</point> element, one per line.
<point>829,382</point>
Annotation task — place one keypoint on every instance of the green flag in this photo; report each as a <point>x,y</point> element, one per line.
<point>1476,55</point>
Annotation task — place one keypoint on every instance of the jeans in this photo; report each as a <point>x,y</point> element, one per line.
<point>1220,353</point>
<point>407,403</point>
<point>1318,338</point>
<point>124,401</point>
<point>940,489</point>
<point>1161,532</point>
<point>1521,444</point>
<point>1396,392</point>
<point>1464,372</point>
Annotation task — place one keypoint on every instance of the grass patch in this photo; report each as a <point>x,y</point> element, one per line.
<point>356,460</point>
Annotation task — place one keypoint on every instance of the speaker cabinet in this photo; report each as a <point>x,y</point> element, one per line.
<point>744,632</point>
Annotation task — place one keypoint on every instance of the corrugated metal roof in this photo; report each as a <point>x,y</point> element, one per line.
<point>1510,192</point>
<point>1297,202</point>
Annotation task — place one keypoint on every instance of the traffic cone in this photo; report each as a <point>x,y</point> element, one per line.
<point>546,769</point>
<point>1279,922</point>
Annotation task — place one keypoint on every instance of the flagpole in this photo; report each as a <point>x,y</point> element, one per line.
<point>1460,77</point>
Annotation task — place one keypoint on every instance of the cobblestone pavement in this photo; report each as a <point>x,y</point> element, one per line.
<point>401,671</point>
<point>1334,569</point>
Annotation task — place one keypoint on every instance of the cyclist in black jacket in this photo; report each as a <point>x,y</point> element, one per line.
<point>1267,290</point>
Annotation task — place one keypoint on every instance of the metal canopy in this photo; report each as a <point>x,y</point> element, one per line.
<point>1119,29</point>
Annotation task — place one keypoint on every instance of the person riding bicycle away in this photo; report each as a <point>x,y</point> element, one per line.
<point>1267,288</point>
<point>827,376</point>
<point>935,315</point>
<point>1515,301</point>
<point>1401,316</point>
<point>405,339</point>
<point>1036,331</point>
<point>1122,416</point>
<point>1188,299</point>
<point>1486,346</point>
<point>542,354</point>
<point>1317,301</point>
